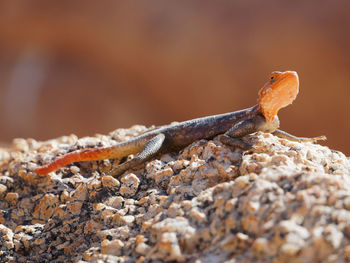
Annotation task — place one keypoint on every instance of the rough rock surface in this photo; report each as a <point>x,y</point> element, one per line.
<point>281,201</point>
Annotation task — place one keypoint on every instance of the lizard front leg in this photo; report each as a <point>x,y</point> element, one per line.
<point>259,123</point>
<point>233,136</point>
<point>152,148</point>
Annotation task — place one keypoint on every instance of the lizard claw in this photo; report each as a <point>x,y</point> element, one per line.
<point>319,138</point>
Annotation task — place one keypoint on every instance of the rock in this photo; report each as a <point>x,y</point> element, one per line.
<point>113,247</point>
<point>280,201</point>
<point>12,198</point>
<point>110,182</point>
<point>130,185</point>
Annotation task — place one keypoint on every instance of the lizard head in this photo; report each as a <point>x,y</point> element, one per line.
<point>280,91</point>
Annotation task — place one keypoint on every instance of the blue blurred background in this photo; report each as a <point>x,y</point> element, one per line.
<point>89,67</point>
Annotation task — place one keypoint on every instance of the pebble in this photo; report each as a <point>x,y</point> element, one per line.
<point>110,183</point>
<point>130,185</point>
<point>12,198</point>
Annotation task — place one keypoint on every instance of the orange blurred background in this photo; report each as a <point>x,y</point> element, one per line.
<point>89,67</point>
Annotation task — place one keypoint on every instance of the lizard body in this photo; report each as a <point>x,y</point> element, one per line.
<point>278,92</point>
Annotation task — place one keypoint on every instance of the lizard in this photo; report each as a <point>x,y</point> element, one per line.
<point>280,91</point>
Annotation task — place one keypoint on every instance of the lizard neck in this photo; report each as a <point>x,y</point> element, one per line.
<point>256,109</point>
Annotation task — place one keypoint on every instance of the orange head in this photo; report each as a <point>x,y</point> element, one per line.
<point>277,93</point>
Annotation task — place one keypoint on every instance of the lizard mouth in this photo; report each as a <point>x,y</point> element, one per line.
<point>280,91</point>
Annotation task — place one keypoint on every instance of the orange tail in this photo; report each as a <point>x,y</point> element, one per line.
<point>77,156</point>
<point>94,154</point>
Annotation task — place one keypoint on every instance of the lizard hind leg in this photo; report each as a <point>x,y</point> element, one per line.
<point>152,148</point>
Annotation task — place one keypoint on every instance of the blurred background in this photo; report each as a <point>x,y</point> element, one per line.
<point>87,67</point>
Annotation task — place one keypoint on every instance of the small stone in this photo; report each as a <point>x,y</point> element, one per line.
<point>39,241</point>
<point>6,236</point>
<point>230,204</point>
<point>128,220</point>
<point>110,182</point>
<point>129,201</point>
<point>142,248</point>
<point>178,224</point>
<point>260,246</point>
<point>74,169</point>
<point>64,196</point>
<point>92,227</point>
<point>46,207</point>
<point>169,247</point>
<point>115,202</point>
<point>12,198</point>
<point>198,216</point>
<point>175,210</point>
<point>347,203</point>
<point>140,239</point>
<point>79,194</point>
<point>238,242</point>
<point>20,144</point>
<point>113,247</point>
<point>22,241</point>
<point>230,223</point>
<point>290,249</point>
<point>60,212</point>
<point>3,189</point>
<point>253,207</point>
<point>333,235</point>
<point>251,224</point>
<point>162,177</point>
<point>347,252</point>
<point>63,245</point>
<point>95,184</point>
<point>130,185</point>
<point>180,164</point>
<point>142,201</point>
<point>75,207</point>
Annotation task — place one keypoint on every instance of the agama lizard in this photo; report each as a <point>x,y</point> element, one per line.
<point>280,91</point>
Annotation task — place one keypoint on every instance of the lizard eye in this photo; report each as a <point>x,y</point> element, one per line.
<point>273,78</point>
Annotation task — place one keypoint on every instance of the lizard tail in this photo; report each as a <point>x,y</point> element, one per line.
<point>94,154</point>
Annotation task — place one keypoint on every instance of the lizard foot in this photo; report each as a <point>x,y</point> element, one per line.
<point>235,142</point>
<point>285,135</point>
